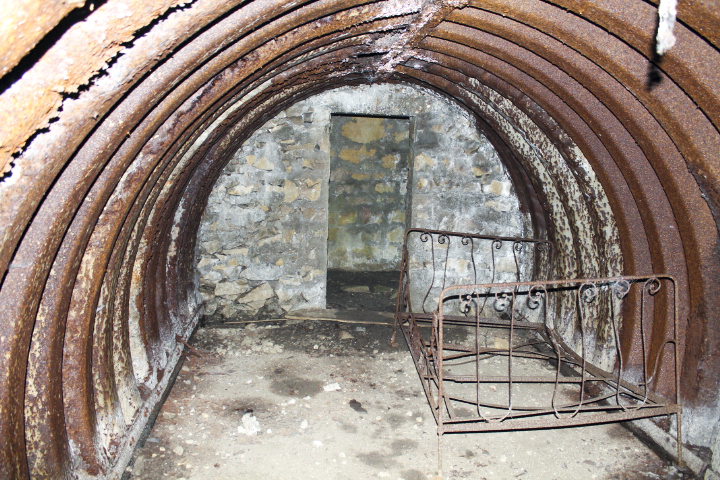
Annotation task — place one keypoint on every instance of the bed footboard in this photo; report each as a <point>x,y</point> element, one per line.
<point>508,371</point>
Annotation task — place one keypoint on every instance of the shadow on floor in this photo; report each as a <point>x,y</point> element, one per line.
<point>373,291</point>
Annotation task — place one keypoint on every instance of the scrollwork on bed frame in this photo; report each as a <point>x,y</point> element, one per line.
<point>426,269</point>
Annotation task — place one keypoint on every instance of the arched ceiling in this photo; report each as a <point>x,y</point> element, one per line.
<point>120,114</point>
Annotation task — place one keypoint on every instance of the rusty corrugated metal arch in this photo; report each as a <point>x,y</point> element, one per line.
<point>100,212</point>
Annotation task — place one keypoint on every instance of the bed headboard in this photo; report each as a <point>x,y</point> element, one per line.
<point>435,259</point>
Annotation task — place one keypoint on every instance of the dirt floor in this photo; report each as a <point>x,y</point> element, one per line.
<point>311,399</point>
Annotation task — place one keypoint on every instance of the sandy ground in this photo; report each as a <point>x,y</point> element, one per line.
<point>328,400</point>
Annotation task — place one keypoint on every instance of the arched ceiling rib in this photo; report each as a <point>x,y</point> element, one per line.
<point>98,214</point>
<point>610,50</point>
<point>559,88</point>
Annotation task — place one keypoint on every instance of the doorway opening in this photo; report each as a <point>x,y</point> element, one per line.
<point>369,209</point>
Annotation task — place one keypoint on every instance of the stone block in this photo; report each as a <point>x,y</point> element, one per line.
<point>313,274</point>
<point>291,281</point>
<point>364,129</point>
<point>422,161</point>
<point>384,187</point>
<point>210,307</point>
<point>211,278</point>
<point>291,191</point>
<point>401,136</point>
<point>229,289</point>
<point>258,295</point>
<point>263,272</point>
<point>211,246</point>
<point>205,262</point>
<point>285,296</point>
<point>498,188</point>
<point>499,206</point>
<point>390,161</point>
<point>236,251</point>
<point>262,163</point>
<point>312,193</point>
<point>397,216</point>
<point>206,295</point>
<point>348,218</point>
<point>396,235</point>
<point>270,239</point>
<point>313,163</point>
<point>314,214</point>
<point>357,155</point>
<point>232,220</point>
<point>288,235</point>
<point>480,172</point>
<point>314,296</point>
<point>240,190</point>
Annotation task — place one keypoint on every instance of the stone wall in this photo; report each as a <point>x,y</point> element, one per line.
<point>263,242</point>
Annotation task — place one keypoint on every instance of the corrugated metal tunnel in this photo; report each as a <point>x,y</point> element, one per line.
<point>119,115</point>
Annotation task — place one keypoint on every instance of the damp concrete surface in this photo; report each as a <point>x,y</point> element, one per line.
<point>313,399</point>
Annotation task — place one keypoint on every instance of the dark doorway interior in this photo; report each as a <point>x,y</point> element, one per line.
<point>368,209</point>
<point>374,291</point>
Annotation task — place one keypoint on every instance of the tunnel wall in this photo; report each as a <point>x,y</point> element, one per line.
<point>123,113</point>
<point>263,240</point>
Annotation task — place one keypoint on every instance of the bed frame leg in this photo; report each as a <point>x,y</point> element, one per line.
<point>678,418</point>
<point>440,451</point>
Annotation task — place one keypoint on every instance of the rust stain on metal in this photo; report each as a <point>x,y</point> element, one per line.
<point>431,15</point>
<point>81,53</point>
<point>17,18</point>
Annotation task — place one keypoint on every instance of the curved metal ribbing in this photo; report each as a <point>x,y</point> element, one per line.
<point>613,150</point>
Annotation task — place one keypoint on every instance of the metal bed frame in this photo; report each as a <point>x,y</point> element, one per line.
<point>534,375</point>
